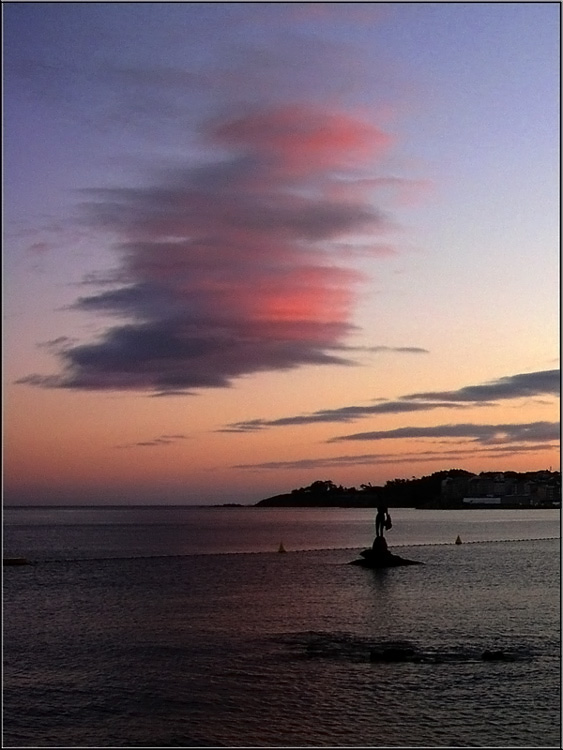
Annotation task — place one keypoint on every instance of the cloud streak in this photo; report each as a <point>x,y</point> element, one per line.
<point>533,384</point>
<point>543,382</point>
<point>536,432</point>
<point>376,459</point>
<point>343,414</point>
<point>224,266</point>
<point>155,442</point>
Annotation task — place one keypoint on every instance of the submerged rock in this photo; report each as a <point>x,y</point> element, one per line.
<point>15,561</point>
<point>394,654</point>
<point>496,656</point>
<point>378,556</point>
<point>344,646</point>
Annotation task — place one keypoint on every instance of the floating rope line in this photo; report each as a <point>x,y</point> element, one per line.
<point>276,551</point>
<point>429,544</point>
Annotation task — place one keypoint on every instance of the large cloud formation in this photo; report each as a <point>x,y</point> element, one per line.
<point>225,266</point>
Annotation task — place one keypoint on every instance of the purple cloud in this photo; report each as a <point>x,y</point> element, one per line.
<point>545,382</point>
<point>377,459</point>
<point>512,386</point>
<point>342,414</point>
<point>536,432</point>
<point>223,266</point>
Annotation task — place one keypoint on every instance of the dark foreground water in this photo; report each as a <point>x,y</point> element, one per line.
<point>126,633</point>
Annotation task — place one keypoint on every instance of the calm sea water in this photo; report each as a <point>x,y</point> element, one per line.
<point>182,627</point>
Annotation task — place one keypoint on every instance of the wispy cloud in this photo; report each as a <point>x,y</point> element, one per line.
<point>375,459</point>
<point>400,349</point>
<point>532,384</point>
<point>343,414</point>
<point>537,432</point>
<point>525,384</point>
<point>154,442</point>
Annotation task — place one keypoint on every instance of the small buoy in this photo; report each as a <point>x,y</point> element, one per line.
<point>458,540</point>
<point>281,548</point>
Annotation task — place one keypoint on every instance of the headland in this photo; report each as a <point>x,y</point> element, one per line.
<point>452,488</point>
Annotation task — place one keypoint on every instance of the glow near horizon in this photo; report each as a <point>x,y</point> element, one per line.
<point>260,213</point>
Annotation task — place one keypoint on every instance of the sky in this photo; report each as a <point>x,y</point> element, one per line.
<point>248,246</point>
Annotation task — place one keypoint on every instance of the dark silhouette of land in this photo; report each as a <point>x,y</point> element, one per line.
<point>453,488</point>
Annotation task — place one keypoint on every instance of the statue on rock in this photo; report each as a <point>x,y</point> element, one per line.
<point>378,555</point>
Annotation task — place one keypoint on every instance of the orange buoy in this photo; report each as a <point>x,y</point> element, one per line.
<point>458,540</point>
<point>281,548</point>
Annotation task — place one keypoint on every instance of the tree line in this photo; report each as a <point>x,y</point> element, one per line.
<point>406,493</point>
<point>416,492</point>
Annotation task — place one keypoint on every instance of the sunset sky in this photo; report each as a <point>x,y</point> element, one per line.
<point>248,246</point>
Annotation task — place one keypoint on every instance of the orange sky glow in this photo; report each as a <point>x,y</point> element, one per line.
<point>344,267</point>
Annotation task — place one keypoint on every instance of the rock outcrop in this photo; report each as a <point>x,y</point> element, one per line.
<point>378,556</point>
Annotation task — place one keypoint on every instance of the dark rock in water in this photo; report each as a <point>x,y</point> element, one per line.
<point>394,655</point>
<point>378,556</point>
<point>496,656</point>
<point>15,561</point>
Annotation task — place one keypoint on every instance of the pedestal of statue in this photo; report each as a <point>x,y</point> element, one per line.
<point>378,556</point>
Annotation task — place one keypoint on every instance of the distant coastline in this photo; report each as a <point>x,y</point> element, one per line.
<point>451,489</point>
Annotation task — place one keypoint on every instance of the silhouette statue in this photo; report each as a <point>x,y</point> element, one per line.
<point>378,555</point>
<point>381,520</point>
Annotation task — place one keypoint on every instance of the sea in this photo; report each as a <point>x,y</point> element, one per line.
<point>187,627</point>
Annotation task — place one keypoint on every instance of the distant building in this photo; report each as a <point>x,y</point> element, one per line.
<point>482,501</point>
<point>541,489</point>
<point>454,489</point>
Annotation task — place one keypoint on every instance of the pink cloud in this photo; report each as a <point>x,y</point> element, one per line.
<point>226,268</point>
<point>301,139</point>
<point>39,248</point>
